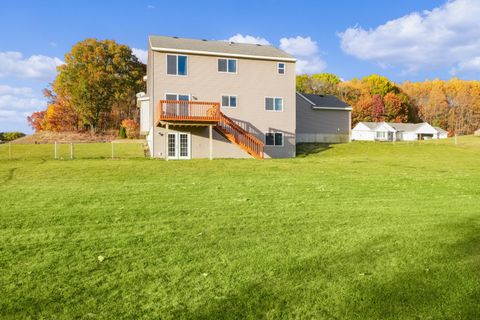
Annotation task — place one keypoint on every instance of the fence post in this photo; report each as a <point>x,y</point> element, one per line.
<point>71,150</point>
<point>113,152</point>
<point>9,151</point>
<point>55,151</point>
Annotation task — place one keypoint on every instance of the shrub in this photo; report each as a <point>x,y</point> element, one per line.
<point>10,136</point>
<point>123,133</point>
<point>132,128</point>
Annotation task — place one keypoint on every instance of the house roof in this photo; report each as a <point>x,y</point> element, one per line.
<point>371,125</point>
<point>400,127</point>
<point>218,48</point>
<point>440,130</point>
<point>405,127</point>
<point>319,101</point>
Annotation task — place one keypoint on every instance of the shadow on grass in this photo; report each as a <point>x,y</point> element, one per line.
<point>443,286</point>
<point>306,149</point>
<point>440,285</point>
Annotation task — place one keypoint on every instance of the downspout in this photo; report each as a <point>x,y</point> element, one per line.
<point>153,104</point>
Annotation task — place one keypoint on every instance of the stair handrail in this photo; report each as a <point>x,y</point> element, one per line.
<point>242,136</point>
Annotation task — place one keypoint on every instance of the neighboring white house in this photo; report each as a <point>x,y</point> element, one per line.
<point>477,133</point>
<point>383,131</point>
<point>373,131</point>
<point>442,134</point>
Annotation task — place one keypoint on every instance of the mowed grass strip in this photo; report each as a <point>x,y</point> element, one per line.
<point>353,231</point>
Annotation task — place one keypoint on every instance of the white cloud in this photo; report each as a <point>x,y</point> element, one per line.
<point>16,103</point>
<point>15,90</point>
<point>447,36</point>
<point>307,53</point>
<point>239,38</point>
<point>150,6</point>
<point>299,46</point>
<point>468,65</point>
<point>310,65</point>
<point>141,54</point>
<point>13,64</point>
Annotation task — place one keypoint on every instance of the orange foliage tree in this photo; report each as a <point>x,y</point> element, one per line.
<point>132,128</point>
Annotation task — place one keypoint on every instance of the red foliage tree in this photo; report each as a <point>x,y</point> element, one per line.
<point>378,108</point>
<point>37,120</point>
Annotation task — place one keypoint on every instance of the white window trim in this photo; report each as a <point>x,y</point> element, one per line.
<point>284,69</point>
<point>228,95</point>
<point>274,145</point>
<point>179,94</point>
<point>236,70</point>
<point>265,104</point>
<point>177,55</point>
<point>177,145</point>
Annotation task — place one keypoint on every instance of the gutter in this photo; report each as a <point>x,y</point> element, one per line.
<point>221,54</point>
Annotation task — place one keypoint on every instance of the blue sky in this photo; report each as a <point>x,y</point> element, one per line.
<point>398,39</point>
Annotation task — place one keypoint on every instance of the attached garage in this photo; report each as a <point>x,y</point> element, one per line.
<point>322,119</point>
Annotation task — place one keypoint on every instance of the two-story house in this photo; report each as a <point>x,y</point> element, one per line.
<point>218,99</point>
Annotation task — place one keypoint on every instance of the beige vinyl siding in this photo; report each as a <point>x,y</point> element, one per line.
<point>254,80</point>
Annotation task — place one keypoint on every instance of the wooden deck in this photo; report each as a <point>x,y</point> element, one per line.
<point>201,113</point>
<point>188,111</point>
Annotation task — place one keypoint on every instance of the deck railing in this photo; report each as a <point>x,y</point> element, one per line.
<point>177,110</point>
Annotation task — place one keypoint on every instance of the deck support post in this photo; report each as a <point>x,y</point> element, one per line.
<point>166,141</point>
<point>210,137</point>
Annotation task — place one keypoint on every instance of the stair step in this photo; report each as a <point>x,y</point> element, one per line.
<point>240,132</point>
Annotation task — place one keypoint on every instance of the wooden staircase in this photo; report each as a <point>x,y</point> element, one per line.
<point>240,136</point>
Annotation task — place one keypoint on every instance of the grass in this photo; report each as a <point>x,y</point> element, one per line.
<point>353,231</point>
<point>80,151</point>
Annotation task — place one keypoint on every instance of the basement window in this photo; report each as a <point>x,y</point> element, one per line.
<point>274,139</point>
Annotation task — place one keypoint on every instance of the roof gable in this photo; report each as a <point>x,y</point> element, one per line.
<point>361,126</point>
<point>375,126</point>
<point>324,101</point>
<point>218,48</point>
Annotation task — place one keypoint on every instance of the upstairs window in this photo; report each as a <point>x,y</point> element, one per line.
<point>281,68</point>
<point>274,139</point>
<point>177,65</point>
<point>229,101</point>
<point>273,104</point>
<point>227,65</point>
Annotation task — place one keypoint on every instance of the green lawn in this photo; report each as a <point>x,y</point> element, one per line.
<point>353,231</point>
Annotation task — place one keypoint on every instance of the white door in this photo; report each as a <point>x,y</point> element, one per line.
<point>178,145</point>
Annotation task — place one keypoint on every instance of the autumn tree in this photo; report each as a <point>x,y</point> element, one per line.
<point>37,120</point>
<point>320,83</point>
<point>98,76</point>
<point>396,107</point>
<point>362,109</point>
<point>379,85</point>
<point>378,108</point>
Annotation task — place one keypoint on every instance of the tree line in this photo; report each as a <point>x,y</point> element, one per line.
<point>453,105</point>
<point>94,90</point>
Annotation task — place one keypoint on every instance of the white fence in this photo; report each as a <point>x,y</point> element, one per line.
<point>119,149</point>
